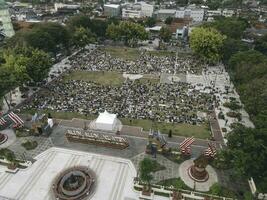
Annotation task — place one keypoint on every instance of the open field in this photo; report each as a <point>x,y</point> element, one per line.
<point>198,131</point>
<point>162,53</point>
<point>103,78</point>
<point>123,52</point>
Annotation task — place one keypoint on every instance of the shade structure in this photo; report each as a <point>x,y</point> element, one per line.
<point>106,121</point>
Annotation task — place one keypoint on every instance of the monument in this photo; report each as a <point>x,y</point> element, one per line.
<point>198,170</point>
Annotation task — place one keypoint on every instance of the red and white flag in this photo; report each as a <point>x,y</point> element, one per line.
<point>210,151</point>
<point>15,118</point>
<point>187,142</point>
<point>2,121</point>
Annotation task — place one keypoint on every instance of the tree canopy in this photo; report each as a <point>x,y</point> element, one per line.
<point>145,167</point>
<point>126,31</point>
<point>207,43</point>
<point>247,153</point>
<point>232,27</point>
<point>165,34</point>
<point>82,37</point>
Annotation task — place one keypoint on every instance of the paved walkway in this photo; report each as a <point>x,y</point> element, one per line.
<point>215,129</point>
<point>44,143</point>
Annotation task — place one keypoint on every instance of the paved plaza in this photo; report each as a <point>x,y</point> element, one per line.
<point>199,186</point>
<point>171,170</point>
<point>114,176</point>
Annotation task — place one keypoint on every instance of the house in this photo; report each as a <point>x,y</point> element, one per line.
<point>112,10</point>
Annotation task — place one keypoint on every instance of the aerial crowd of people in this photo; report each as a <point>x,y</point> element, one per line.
<point>133,99</point>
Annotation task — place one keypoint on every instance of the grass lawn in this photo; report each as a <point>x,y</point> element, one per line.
<point>123,52</point>
<point>103,78</point>
<point>198,131</point>
<point>162,53</point>
<point>61,114</point>
<point>187,130</point>
<point>148,80</point>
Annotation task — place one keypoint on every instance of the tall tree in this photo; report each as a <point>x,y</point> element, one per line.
<point>247,151</point>
<point>82,37</point>
<point>126,31</point>
<point>165,34</point>
<point>207,43</point>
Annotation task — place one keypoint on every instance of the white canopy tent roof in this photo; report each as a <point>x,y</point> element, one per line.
<point>106,118</point>
<point>106,121</point>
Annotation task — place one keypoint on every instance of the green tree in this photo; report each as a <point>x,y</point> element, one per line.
<point>213,4</point>
<point>7,80</point>
<point>145,167</point>
<point>247,152</point>
<point>38,66</point>
<point>232,27</point>
<point>168,20</point>
<point>27,64</point>
<point>150,21</point>
<point>165,34</point>
<point>230,47</point>
<point>82,37</point>
<point>207,43</point>
<point>126,31</point>
<point>261,44</point>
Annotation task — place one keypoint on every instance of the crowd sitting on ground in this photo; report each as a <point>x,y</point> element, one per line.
<point>133,99</point>
<point>147,63</point>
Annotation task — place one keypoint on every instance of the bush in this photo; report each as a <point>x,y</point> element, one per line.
<point>234,115</point>
<point>233,105</point>
<point>22,132</point>
<point>29,145</point>
<point>217,189</point>
<point>177,183</point>
<point>7,154</point>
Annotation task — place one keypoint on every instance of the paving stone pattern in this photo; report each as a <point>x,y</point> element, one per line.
<point>171,171</point>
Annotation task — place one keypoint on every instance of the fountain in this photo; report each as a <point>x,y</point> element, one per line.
<point>74,183</point>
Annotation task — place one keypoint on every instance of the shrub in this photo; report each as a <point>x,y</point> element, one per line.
<point>233,105</point>
<point>29,145</point>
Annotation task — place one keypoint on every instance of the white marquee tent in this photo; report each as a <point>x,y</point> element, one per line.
<point>106,121</point>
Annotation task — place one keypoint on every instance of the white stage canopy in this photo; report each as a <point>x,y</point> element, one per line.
<point>106,121</point>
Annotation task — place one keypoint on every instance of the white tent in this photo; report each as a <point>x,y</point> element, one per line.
<point>106,121</point>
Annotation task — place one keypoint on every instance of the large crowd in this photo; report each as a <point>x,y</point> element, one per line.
<point>147,63</point>
<point>179,102</point>
<point>133,99</point>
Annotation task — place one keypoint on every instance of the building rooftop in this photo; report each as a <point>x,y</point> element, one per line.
<point>112,5</point>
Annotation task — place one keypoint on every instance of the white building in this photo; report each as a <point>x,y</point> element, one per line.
<point>147,9</point>
<point>106,121</point>
<point>163,14</point>
<point>220,12</point>
<point>112,10</point>
<point>137,10</point>
<point>131,13</point>
<point>196,15</point>
<point>59,6</point>
<point>228,13</point>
